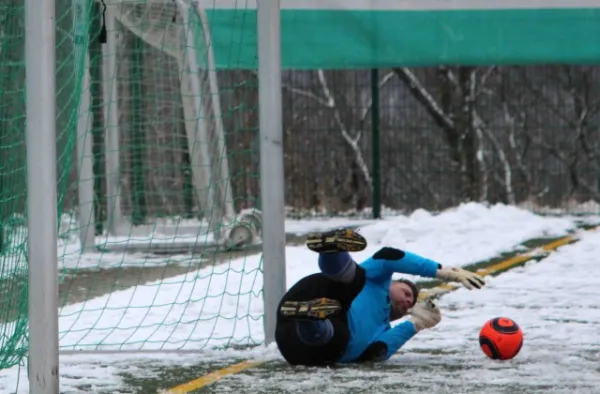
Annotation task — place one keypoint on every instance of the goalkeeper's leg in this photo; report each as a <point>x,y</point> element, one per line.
<point>307,338</point>
<point>312,324</point>
<point>337,265</point>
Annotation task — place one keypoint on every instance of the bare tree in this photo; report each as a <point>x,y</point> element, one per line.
<point>513,115</point>
<point>576,149</point>
<point>455,115</point>
<point>351,123</point>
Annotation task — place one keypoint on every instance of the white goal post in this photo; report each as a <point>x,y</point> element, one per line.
<point>43,340</point>
<point>152,21</point>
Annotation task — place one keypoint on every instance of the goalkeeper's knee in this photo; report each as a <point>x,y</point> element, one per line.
<point>315,333</point>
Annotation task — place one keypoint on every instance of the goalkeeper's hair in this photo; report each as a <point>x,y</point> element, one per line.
<point>413,288</point>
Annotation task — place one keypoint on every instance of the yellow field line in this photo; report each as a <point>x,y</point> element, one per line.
<point>212,377</point>
<point>503,265</point>
<point>442,288</point>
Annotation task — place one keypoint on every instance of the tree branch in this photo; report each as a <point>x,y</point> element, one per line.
<point>572,167</point>
<point>386,78</point>
<point>352,142</point>
<point>476,124</point>
<point>510,120</point>
<point>508,178</point>
<point>422,95</point>
<point>310,95</point>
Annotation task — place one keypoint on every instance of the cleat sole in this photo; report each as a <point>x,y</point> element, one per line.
<point>317,309</point>
<point>340,241</point>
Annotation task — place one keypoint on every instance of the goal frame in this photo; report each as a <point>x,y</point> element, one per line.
<point>202,159</point>
<point>42,189</point>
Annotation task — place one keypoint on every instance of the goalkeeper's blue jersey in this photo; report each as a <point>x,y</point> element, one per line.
<point>369,315</point>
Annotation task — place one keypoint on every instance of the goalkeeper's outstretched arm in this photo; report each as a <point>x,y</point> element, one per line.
<point>425,314</point>
<point>388,261</point>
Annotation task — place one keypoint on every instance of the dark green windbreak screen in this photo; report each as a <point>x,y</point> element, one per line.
<point>338,39</point>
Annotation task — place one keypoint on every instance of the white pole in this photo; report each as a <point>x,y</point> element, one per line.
<point>42,220</point>
<point>199,139</point>
<point>271,159</point>
<point>111,130</point>
<point>85,160</point>
<point>85,165</point>
<point>221,149</point>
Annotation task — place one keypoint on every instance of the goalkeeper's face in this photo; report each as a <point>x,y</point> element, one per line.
<point>401,299</point>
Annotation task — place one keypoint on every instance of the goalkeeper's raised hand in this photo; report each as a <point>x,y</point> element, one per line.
<point>468,279</point>
<point>425,314</point>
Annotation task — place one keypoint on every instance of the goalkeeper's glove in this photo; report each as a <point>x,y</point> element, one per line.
<point>425,314</point>
<point>468,279</point>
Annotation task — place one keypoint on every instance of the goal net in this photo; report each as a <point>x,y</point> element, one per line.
<point>158,181</point>
<point>13,264</point>
<point>165,149</point>
<point>173,162</point>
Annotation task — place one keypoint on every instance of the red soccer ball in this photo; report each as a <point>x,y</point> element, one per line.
<point>501,338</point>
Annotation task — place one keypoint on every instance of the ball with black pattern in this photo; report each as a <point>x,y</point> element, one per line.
<point>501,338</point>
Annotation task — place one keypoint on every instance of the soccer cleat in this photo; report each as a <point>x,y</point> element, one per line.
<point>317,309</point>
<point>342,240</point>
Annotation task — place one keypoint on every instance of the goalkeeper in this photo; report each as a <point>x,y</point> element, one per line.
<point>343,313</point>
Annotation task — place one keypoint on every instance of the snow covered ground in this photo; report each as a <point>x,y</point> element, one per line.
<point>466,218</point>
<point>554,301</point>
<point>165,232</point>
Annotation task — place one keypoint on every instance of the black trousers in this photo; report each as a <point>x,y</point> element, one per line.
<point>314,286</point>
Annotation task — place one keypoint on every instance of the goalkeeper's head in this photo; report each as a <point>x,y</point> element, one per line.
<point>403,296</point>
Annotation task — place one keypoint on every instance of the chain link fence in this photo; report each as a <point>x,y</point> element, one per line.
<point>528,136</point>
<point>515,135</point>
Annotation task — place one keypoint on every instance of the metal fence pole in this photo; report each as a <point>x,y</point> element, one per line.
<point>376,153</point>
<point>41,196</point>
<point>271,159</point>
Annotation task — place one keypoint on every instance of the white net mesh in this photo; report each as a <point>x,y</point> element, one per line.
<point>172,152</point>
